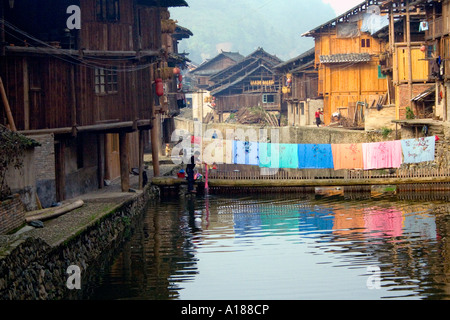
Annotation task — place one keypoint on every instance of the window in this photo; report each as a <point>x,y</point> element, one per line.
<point>107,10</point>
<point>365,43</point>
<point>268,98</point>
<point>302,108</point>
<point>106,81</point>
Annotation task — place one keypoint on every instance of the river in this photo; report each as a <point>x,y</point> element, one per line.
<point>285,247</point>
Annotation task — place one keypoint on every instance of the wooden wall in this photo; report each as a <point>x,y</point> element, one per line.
<point>419,64</point>
<point>97,35</point>
<point>344,84</point>
<point>39,91</point>
<point>235,102</point>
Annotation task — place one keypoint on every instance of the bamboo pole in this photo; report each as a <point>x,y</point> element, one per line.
<point>7,107</point>
<point>50,213</point>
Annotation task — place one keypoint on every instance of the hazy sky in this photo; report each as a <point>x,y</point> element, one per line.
<point>341,6</point>
<point>244,25</point>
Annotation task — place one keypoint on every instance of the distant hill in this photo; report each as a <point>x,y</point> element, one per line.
<point>245,25</point>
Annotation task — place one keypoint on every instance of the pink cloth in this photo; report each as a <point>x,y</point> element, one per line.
<point>380,155</point>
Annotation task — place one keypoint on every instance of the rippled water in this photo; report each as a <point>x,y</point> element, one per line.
<point>284,247</point>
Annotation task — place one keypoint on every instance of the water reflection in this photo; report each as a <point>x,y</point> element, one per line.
<point>283,247</point>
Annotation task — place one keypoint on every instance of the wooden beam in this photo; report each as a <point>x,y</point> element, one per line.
<point>141,159</point>
<point>60,170</point>
<point>6,106</point>
<point>154,132</point>
<point>73,106</point>
<point>100,160</point>
<point>124,162</point>
<point>26,94</point>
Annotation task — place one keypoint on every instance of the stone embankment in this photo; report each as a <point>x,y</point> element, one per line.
<point>34,262</point>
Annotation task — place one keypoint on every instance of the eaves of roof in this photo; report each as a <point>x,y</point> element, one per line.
<point>345,58</point>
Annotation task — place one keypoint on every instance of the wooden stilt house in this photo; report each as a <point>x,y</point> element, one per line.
<point>252,82</point>
<point>299,91</point>
<point>79,76</point>
<point>348,60</point>
<point>408,58</point>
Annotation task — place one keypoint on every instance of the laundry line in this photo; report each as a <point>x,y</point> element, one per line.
<point>352,156</point>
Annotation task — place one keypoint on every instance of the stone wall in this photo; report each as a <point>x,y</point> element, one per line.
<point>31,269</point>
<point>12,214</point>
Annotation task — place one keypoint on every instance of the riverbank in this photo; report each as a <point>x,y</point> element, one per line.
<point>34,261</point>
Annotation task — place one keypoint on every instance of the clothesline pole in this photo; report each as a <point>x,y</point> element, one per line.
<point>206,178</point>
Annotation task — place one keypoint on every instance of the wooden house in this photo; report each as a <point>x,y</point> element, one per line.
<point>83,85</point>
<point>203,72</point>
<point>300,88</point>
<point>348,61</point>
<point>407,59</point>
<point>436,25</point>
<point>252,82</point>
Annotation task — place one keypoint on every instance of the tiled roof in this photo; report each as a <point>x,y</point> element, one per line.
<point>343,58</point>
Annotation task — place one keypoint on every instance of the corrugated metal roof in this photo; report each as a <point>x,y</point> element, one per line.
<point>344,58</point>
<point>421,97</point>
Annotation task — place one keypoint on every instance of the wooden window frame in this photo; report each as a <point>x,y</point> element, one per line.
<point>265,99</point>
<point>106,81</point>
<point>365,43</point>
<point>107,10</point>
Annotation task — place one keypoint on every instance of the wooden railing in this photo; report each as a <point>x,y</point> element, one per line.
<point>292,174</point>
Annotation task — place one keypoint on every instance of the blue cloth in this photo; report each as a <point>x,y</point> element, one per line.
<point>245,153</point>
<point>315,156</point>
<point>419,150</point>
<point>269,155</point>
<point>288,156</point>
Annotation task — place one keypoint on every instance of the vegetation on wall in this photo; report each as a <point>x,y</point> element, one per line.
<point>12,146</point>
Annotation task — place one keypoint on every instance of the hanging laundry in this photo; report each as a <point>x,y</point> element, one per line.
<point>196,140</point>
<point>269,155</point>
<point>381,155</point>
<point>315,156</point>
<point>419,150</point>
<point>252,153</point>
<point>228,152</point>
<point>289,156</point>
<point>347,156</point>
<point>246,152</point>
<point>423,26</point>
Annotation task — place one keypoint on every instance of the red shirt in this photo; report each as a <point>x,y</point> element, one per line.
<point>318,113</point>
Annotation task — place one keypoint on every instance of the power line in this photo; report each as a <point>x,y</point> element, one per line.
<point>70,58</point>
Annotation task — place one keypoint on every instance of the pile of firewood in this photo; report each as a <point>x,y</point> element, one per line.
<point>256,115</point>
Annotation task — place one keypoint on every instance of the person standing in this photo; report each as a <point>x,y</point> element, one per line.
<point>318,114</point>
<point>190,172</point>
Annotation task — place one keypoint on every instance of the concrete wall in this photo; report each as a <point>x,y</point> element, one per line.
<point>23,181</point>
<point>287,134</point>
<point>375,120</point>
<point>78,180</point>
